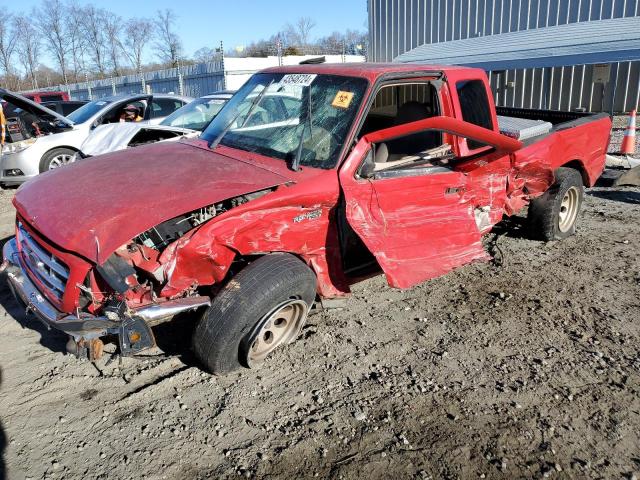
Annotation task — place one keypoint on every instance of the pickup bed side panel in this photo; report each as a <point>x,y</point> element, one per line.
<point>585,143</point>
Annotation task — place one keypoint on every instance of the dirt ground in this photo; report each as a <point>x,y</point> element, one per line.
<point>525,367</point>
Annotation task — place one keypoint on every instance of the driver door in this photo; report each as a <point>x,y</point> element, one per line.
<point>419,220</point>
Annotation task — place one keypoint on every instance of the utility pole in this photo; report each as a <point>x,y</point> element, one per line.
<point>224,70</point>
<point>180,80</point>
<point>86,78</point>
<point>279,50</point>
<point>144,85</point>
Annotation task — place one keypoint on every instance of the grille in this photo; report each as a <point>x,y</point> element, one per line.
<point>41,264</point>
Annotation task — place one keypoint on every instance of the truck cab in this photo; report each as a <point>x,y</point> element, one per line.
<point>310,178</point>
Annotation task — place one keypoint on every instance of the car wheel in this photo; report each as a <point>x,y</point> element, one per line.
<point>56,158</point>
<point>553,216</point>
<point>260,309</point>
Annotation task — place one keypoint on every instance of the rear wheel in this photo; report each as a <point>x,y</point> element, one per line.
<point>553,216</point>
<point>56,158</point>
<point>262,308</point>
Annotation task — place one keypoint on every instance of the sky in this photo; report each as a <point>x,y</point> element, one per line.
<point>235,22</point>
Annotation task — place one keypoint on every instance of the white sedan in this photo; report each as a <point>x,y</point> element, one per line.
<point>188,121</point>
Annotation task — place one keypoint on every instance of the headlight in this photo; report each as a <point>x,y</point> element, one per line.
<point>16,147</point>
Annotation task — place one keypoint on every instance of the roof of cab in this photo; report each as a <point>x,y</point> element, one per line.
<point>369,70</point>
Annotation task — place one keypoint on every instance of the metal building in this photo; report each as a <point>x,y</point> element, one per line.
<point>397,28</point>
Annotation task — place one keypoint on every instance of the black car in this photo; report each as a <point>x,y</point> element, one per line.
<point>64,107</point>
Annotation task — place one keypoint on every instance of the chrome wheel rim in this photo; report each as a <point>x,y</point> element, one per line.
<point>60,160</point>
<point>568,209</point>
<point>279,327</point>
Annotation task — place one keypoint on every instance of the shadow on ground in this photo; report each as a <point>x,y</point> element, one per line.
<point>174,337</point>
<point>625,196</point>
<point>513,227</point>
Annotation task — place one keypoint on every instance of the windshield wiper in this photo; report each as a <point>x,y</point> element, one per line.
<point>295,164</point>
<point>254,104</point>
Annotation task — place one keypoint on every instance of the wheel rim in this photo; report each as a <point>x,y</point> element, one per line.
<point>568,209</point>
<point>279,327</point>
<point>60,160</point>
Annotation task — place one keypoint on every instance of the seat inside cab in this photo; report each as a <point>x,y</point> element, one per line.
<point>396,105</point>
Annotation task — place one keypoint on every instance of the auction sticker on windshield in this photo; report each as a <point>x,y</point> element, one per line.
<point>302,79</point>
<point>342,99</point>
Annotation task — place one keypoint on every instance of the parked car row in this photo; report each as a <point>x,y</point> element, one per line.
<point>40,139</point>
<point>188,121</point>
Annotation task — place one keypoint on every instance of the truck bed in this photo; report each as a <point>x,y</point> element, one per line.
<point>579,139</point>
<point>559,119</point>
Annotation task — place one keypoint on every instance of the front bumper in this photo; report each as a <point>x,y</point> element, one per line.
<point>20,160</point>
<point>133,328</point>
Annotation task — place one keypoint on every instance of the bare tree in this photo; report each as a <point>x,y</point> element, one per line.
<point>52,26</point>
<point>28,45</point>
<point>168,45</point>
<point>298,33</point>
<point>112,31</point>
<point>8,40</point>
<point>94,35</point>
<point>205,54</point>
<point>137,33</point>
<point>74,28</point>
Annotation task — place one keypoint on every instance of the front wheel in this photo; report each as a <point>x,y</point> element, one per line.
<point>260,309</point>
<point>56,158</point>
<point>553,216</point>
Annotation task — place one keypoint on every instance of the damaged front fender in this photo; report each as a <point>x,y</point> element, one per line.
<point>187,264</point>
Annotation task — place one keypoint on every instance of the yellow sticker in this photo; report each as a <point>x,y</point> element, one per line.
<point>342,99</point>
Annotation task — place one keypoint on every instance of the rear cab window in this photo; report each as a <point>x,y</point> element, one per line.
<point>474,107</point>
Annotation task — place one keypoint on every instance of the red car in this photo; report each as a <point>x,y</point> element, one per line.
<point>46,96</point>
<point>311,178</point>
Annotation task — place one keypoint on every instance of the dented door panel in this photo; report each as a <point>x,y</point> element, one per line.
<point>417,227</point>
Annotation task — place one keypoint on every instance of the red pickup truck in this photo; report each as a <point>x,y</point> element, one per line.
<point>310,179</point>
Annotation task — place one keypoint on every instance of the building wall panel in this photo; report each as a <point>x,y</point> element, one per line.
<point>397,26</point>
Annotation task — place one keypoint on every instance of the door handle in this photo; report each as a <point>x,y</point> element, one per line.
<point>454,191</point>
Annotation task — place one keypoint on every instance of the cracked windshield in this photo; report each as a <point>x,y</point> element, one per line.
<point>300,118</point>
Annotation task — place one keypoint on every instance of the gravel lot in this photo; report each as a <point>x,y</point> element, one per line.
<point>526,367</point>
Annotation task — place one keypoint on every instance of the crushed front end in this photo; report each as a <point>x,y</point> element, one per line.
<point>105,300</point>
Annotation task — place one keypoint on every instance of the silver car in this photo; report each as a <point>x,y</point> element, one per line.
<point>188,121</point>
<point>39,139</point>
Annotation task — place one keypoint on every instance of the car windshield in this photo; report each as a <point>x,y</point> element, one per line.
<point>289,116</point>
<point>195,115</point>
<point>87,111</point>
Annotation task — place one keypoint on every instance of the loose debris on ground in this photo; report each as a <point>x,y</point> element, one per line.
<point>527,366</point>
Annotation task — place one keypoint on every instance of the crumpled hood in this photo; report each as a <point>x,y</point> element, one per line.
<point>96,205</point>
<point>116,136</point>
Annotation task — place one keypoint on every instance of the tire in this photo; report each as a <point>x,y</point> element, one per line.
<point>228,333</point>
<point>554,215</point>
<point>55,158</point>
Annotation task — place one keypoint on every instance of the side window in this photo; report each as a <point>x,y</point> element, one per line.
<point>474,105</point>
<point>162,107</point>
<point>396,105</point>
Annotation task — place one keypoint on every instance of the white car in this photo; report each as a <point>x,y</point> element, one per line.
<point>187,121</point>
<point>39,139</point>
